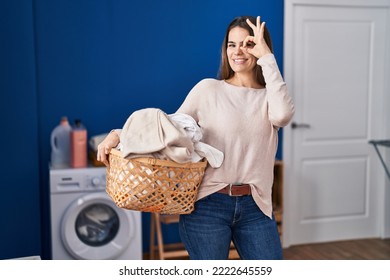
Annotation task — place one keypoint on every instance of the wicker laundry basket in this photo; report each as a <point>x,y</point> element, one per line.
<point>153,185</point>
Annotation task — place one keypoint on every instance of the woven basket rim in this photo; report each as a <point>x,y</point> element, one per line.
<point>161,162</point>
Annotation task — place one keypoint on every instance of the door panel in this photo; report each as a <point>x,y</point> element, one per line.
<point>336,84</point>
<point>334,70</point>
<point>319,188</point>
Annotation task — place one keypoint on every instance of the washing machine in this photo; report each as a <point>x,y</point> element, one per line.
<point>86,223</point>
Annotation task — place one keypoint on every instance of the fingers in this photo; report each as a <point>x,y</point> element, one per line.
<point>258,31</point>
<point>105,147</point>
<point>256,27</point>
<point>249,41</point>
<point>256,44</point>
<point>102,153</point>
<point>251,25</point>
<point>262,26</point>
<point>101,157</point>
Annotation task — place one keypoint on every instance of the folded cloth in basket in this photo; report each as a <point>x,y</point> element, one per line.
<point>150,132</point>
<point>188,124</point>
<point>201,150</point>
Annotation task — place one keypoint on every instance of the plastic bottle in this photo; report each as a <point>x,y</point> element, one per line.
<point>60,144</point>
<point>78,145</point>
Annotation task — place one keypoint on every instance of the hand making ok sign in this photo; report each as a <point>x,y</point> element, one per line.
<point>256,45</point>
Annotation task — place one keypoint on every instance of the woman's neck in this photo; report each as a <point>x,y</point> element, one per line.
<point>244,81</point>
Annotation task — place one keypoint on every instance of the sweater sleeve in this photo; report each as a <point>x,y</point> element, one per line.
<point>280,104</point>
<point>190,106</point>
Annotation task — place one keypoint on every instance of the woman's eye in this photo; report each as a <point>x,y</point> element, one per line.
<point>231,46</point>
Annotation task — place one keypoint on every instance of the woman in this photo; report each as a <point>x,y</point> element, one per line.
<point>240,115</point>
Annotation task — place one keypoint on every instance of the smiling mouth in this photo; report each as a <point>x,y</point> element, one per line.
<point>239,61</point>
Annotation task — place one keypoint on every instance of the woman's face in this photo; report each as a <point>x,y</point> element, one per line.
<point>239,59</point>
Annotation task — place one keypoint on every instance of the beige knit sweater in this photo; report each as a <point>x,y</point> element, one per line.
<point>242,123</point>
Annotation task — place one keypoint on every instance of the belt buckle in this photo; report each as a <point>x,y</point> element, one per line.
<point>230,189</point>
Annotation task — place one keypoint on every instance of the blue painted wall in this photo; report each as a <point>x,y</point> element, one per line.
<point>20,221</point>
<point>97,61</point>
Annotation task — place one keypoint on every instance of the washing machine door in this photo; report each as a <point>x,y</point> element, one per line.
<point>94,228</point>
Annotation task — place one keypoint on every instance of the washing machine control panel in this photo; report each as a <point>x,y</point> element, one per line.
<point>77,179</point>
<point>97,181</point>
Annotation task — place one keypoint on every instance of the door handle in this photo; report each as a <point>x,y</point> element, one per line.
<point>295,125</point>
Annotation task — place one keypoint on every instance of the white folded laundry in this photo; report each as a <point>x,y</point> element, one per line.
<point>201,150</point>
<point>152,133</point>
<point>189,124</point>
<point>214,156</point>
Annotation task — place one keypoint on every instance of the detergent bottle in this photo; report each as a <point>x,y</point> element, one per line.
<point>60,144</point>
<point>78,145</point>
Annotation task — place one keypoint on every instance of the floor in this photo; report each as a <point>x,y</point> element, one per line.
<point>363,249</point>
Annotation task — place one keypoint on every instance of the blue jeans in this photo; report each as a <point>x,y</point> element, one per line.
<point>219,219</point>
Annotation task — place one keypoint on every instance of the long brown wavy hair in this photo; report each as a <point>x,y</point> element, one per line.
<point>225,71</point>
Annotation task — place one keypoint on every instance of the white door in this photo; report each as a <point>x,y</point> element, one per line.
<point>335,70</point>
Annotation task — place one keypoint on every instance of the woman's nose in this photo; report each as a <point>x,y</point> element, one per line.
<point>238,49</point>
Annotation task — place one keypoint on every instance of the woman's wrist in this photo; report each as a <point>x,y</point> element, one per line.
<point>113,132</point>
<point>114,137</point>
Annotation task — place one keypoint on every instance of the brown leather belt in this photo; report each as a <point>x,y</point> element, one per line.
<point>236,190</point>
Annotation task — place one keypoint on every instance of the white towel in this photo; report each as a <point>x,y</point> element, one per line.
<point>189,124</point>
<point>201,150</point>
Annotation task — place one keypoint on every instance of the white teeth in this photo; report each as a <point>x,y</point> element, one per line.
<point>239,61</point>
